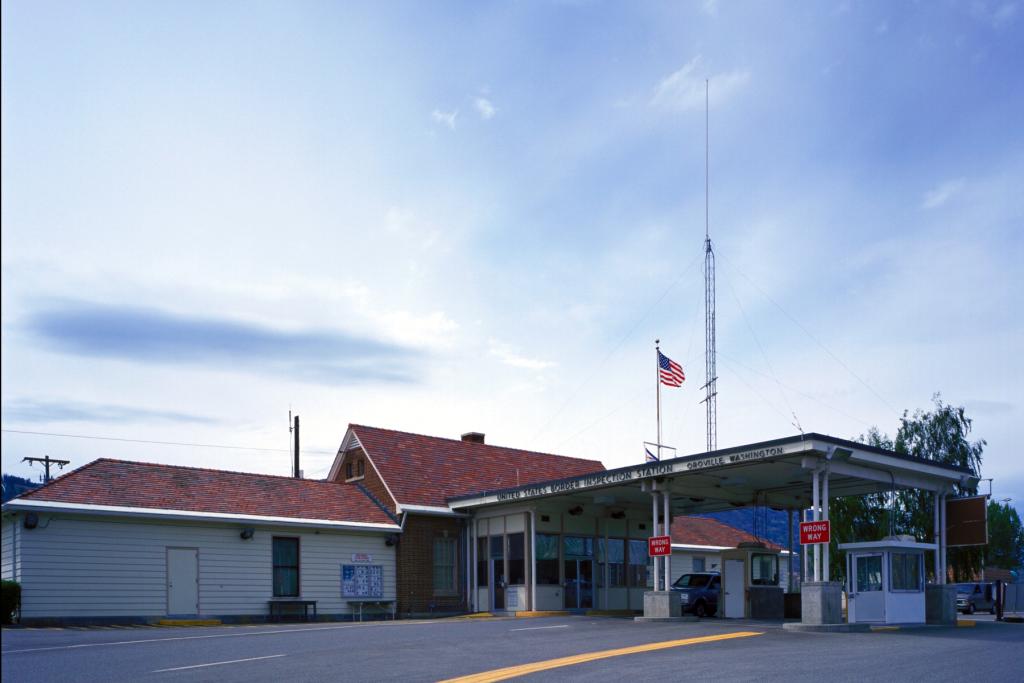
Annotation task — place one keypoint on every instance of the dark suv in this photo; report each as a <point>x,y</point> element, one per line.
<point>698,592</point>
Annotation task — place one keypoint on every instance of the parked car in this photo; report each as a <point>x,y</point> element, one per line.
<point>972,597</point>
<point>698,592</point>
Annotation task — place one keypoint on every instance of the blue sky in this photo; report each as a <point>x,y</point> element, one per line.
<point>445,217</point>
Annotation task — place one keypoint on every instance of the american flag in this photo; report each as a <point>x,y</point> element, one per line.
<point>670,372</point>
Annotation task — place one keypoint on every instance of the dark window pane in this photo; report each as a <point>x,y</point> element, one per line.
<point>497,547</point>
<point>516,559</point>
<point>547,547</point>
<point>285,553</point>
<point>481,562</point>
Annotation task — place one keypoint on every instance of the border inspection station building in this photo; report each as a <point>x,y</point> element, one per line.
<point>409,524</point>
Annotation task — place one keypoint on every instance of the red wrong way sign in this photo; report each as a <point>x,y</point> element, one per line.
<point>815,532</point>
<point>659,545</point>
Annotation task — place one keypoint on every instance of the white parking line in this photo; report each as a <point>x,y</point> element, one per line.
<point>230,661</point>
<point>215,635</point>
<point>537,628</point>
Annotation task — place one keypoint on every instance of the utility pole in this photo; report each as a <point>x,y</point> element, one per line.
<point>47,461</point>
<point>296,472</point>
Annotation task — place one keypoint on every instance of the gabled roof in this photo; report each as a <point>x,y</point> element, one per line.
<point>427,470</point>
<point>710,532</point>
<point>139,485</point>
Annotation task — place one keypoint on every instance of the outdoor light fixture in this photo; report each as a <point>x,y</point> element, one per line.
<point>31,520</point>
<point>618,514</point>
<point>578,510</point>
<point>391,540</point>
<point>247,533</point>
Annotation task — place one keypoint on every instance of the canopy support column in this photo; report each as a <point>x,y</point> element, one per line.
<point>666,498</point>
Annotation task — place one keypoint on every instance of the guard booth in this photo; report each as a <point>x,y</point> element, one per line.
<point>750,583</point>
<point>885,581</point>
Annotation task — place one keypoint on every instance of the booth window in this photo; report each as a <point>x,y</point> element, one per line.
<point>764,570</point>
<point>698,564</point>
<point>546,552</point>
<point>286,567</point>
<point>639,564</point>
<point>611,553</point>
<point>516,559</point>
<point>481,562</point>
<point>905,572</point>
<point>445,555</point>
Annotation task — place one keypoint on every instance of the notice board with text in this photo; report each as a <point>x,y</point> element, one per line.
<point>362,580</point>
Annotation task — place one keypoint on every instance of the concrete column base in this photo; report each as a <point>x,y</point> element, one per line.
<point>662,605</point>
<point>821,602</point>
<point>940,604</point>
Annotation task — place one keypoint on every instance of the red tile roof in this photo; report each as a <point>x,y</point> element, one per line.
<point>707,531</point>
<point>166,487</point>
<point>427,470</point>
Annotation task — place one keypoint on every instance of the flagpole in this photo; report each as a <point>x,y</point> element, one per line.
<point>657,384</point>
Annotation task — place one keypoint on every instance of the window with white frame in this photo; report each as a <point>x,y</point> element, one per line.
<point>445,564</point>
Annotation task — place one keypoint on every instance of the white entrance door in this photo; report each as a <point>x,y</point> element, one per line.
<point>182,581</point>
<point>867,598</point>
<point>733,589</point>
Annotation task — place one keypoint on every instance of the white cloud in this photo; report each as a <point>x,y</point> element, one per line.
<point>446,118</point>
<point>684,89</point>
<point>507,355</point>
<point>935,198</point>
<point>485,107</point>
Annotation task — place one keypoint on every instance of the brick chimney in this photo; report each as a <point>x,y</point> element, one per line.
<point>473,437</point>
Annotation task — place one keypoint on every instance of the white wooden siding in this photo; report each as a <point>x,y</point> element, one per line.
<point>10,562</point>
<point>88,567</point>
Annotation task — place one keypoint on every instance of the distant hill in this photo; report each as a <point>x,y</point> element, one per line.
<point>15,486</point>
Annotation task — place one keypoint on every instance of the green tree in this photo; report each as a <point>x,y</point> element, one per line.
<point>940,434</point>
<point>1005,537</point>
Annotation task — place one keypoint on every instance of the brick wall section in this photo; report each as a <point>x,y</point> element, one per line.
<point>370,480</point>
<point>415,565</point>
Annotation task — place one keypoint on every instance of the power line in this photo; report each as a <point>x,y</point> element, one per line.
<point>814,339</point>
<point>162,443</point>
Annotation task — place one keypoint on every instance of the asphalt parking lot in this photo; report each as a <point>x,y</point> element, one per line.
<point>543,649</point>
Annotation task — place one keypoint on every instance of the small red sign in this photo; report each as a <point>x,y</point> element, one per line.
<point>815,532</point>
<point>658,546</point>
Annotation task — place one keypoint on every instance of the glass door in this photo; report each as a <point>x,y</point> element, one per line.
<point>867,599</point>
<point>498,582</point>
<point>578,572</point>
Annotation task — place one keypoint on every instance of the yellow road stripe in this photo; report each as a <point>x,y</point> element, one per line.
<point>534,667</point>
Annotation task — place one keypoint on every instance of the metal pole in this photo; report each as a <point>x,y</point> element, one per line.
<point>789,541</point>
<point>657,389</point>
<point>666,500</point>
<point>938,561</point>
<point>815,501</point>
<point>824,515</point>
<point>942,537</point>
<point>654,517</point>
<point>533,560</point>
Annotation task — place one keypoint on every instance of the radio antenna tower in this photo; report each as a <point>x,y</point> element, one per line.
<point>711,385</point>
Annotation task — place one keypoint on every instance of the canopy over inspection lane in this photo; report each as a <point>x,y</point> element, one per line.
<point>778,473</point>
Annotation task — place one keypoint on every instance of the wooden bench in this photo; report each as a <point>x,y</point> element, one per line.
<point>377,603</point>
<point>277,607</point>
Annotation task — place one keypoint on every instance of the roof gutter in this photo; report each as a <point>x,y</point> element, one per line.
<point>431,510</point>
<point>47,506</point>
